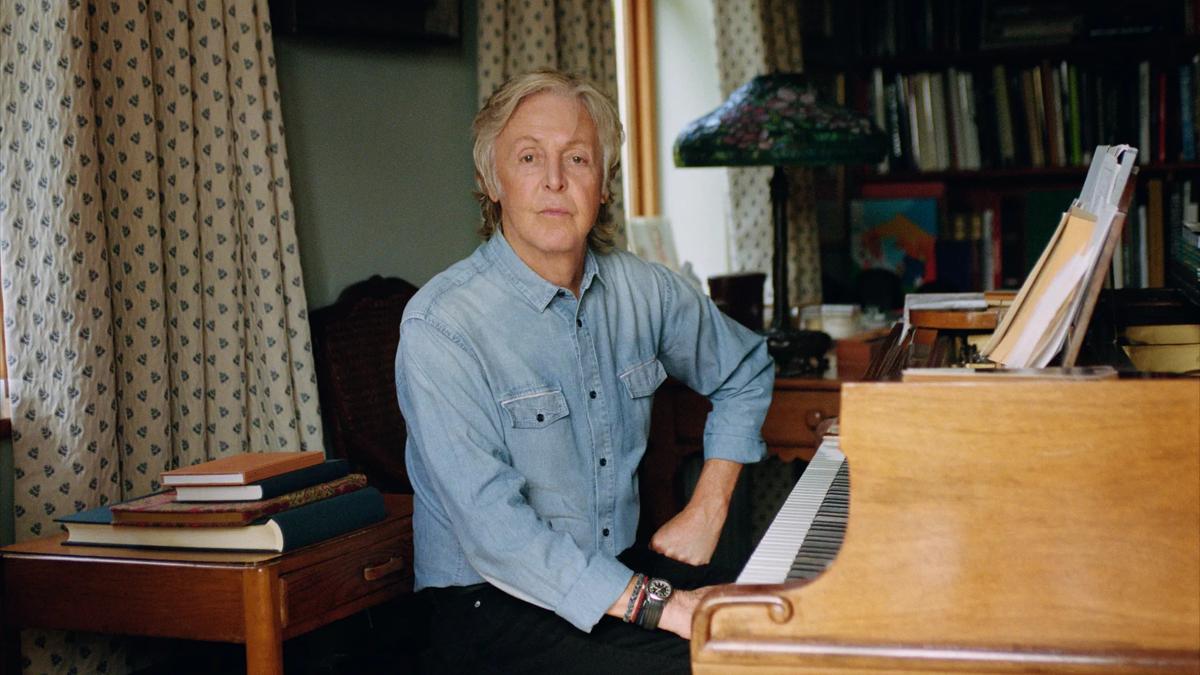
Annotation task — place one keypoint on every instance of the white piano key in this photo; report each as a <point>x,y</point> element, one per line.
<point>775,554</point>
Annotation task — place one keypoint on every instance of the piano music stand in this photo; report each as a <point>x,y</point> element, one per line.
<point>1079,324</point>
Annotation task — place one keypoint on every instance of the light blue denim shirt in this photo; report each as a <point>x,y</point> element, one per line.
<point>528,413</point>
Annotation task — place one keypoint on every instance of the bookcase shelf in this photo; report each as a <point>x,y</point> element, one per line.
<point>1017,174</point>
<point>993,108</point>
<point>1160,48</point>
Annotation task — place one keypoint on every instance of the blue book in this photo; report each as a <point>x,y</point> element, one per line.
<point>284,531</point>
<point>266,488</point>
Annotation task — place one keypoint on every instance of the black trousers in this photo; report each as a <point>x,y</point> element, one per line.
<point>482,629</point>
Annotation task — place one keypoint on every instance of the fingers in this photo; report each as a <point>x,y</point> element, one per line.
<point>692,552</point>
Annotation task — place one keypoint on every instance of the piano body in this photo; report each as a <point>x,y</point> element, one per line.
<point>1047,526</point>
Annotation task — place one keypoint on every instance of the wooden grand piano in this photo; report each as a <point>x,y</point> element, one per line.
<point>993,527</point>
<point>992,524</point>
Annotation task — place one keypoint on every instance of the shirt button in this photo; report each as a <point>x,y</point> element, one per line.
<point>604,532</point>
<point>603,462</point>
<point>592,394</point>
<point>541,417</point>
<point>579,322</point>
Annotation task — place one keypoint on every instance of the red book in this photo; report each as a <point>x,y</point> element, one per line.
<point>242,469</point>
<point>161,509</point>
<point>911,190</point>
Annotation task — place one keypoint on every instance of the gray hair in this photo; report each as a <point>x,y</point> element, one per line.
<point>499,108</point>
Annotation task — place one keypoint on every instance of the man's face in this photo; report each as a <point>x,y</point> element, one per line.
<point>550,168</point>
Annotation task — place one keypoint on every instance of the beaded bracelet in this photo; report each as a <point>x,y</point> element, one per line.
<point>639,580</point>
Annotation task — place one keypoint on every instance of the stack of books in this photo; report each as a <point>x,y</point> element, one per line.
<point>270,501</point>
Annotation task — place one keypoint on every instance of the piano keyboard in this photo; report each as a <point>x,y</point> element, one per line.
<point>806,534</point>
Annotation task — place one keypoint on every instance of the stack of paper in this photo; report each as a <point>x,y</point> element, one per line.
<point>1052,298</point>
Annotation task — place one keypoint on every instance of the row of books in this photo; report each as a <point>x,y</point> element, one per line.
<point>891,28</point>
<point>1183,239</point>
<point>915,238</point>
<point>989,240</point>
<point>1042,115</point>
<point>271,501</point>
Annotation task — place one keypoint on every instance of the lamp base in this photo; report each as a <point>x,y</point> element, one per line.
<point>799,353</point>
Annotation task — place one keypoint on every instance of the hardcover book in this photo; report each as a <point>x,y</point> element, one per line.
<point>241,469</point>
<point>266,488</point>
<point>284,531</point>
<point>895,234</point>
<point>162,509</point>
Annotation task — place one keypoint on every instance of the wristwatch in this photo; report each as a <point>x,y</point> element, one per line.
<point>658,591</point>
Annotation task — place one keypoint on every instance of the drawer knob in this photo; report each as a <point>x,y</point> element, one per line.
<point>376,572</point>
<point>813,418</point>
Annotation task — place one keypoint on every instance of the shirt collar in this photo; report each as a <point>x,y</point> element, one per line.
<point>536,290</point>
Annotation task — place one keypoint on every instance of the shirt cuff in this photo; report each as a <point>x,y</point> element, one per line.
<point>602,582</point>
<point>734,447</point>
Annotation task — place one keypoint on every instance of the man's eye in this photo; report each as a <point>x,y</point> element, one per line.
<point>527,158</point>
<point>578,159</point>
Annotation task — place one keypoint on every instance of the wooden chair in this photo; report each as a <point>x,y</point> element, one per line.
<point>354,342</point>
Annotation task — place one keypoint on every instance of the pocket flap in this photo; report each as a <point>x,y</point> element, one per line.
<point>643,379</point>
<point>537,410</point>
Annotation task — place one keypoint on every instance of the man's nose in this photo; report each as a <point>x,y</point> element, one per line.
<point>554,177</point>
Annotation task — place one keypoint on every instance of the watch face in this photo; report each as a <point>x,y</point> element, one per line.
<point>659,588</point>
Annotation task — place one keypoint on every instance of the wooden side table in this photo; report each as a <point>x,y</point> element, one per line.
<point>798,405</point>
<point>256,599</point>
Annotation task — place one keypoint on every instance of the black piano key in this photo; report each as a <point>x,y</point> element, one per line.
<point>824,537</point>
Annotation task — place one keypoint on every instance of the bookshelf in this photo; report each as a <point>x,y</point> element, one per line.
<point>993,108</point>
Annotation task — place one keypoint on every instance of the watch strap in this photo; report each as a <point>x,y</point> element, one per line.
<point>657,592</point>
<point>651,613</point>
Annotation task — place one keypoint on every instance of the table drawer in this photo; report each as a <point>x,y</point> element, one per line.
<point>791,420</point>
<point>384,566</point>
<point>794,415</point>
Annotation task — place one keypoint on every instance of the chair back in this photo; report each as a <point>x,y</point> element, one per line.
<point>354,342</point>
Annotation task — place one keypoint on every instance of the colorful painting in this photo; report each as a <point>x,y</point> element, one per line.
<point>895,234</point>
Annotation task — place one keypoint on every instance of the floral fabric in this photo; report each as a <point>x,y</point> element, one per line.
<point>155,312</point>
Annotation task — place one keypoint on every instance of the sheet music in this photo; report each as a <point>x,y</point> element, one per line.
<point>1037,325</point>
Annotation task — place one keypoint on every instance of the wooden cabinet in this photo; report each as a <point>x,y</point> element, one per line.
<point>677,431</point>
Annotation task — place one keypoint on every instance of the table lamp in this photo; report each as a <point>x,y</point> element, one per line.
<point>776,120</point>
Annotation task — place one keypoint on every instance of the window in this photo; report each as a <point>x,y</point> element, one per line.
<point>668,49</point>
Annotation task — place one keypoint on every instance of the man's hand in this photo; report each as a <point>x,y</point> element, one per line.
<point>691,536</point>
<point>677,613</point>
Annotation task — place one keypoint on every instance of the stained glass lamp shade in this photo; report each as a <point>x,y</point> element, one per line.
<point>776,120</point>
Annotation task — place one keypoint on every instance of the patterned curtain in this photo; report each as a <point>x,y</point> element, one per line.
<point>575,36</point>
<point>155,312</point>
<point>756,37</point>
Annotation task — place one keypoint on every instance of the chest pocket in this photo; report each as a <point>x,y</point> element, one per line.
<point>536,411</point>
<point>643,379</point>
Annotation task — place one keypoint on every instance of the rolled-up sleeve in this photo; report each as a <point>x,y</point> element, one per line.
<point>457,428</point>
<point>722,360</point>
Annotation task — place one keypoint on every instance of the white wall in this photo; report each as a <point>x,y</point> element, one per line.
<point>379,144</point>
<point>695,201</point>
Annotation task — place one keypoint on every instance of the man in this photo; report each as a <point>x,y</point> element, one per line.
<point>526,374</point>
